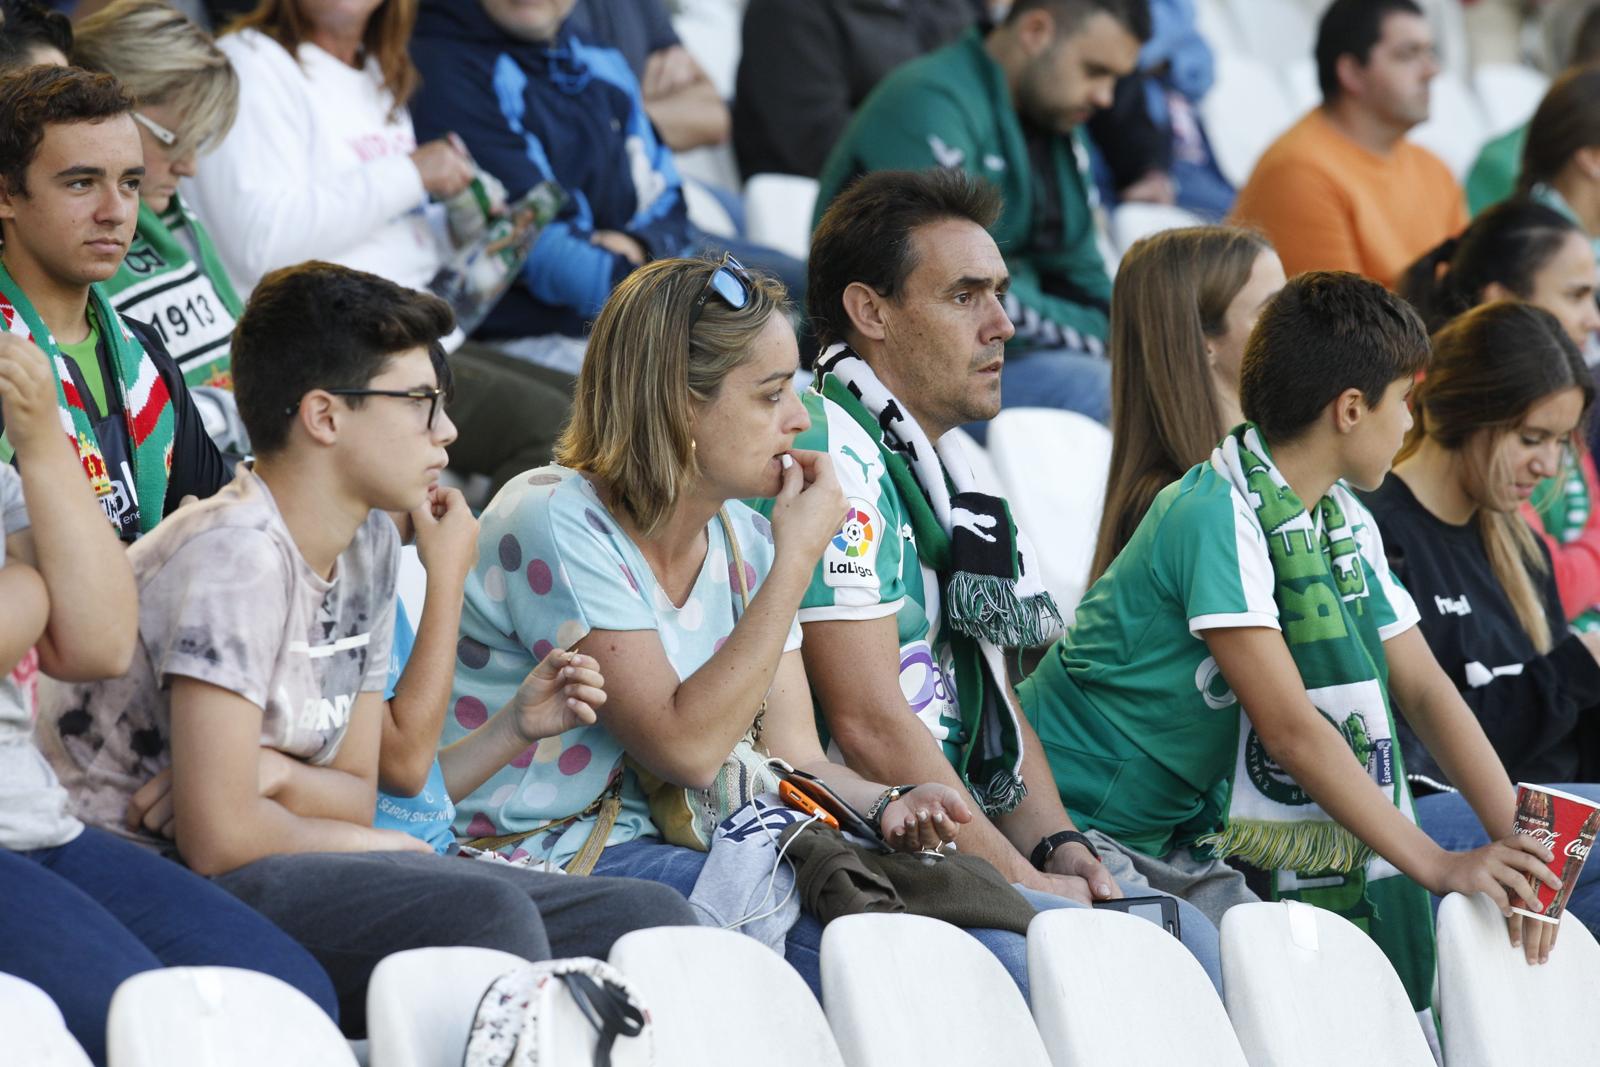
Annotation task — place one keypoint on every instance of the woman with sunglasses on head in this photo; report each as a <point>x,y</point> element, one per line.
<point>637,552</point>
<point>1503,397</point>
<point>1527,251</point>
<point>172,275</point>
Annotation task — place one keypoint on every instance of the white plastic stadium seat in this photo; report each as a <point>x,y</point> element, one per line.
<point>762,1004</point>
<point>710,31</point>
<point>1058,505</point>
<point>1132,220</point>
<point>953,1003</point>
<point>1087,1013</point>
<point>1306,987</point>
<point>411,583</point>
<point>1509,94</point>
<point>1492,1004</point>
<point>1274,29</point>
<point>1214,19</point>
<point>1456,129</point>
<point>777,212</point>
<point>219,1017</point>
<point>32,1031</point>
<point>1245,111</point>
<point>706,211</point>
<point>1300,76</point>
<point>420,1003</point>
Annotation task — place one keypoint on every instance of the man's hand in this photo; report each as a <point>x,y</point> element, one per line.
<point>668,70</point>
<point>1155,187</point>
<point>620,244</point>
<point>27,392</point>
<point>446,534</point>
<point>1072,860</point>
<point>560,694</point>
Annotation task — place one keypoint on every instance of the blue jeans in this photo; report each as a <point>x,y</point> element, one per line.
<point>680,868</point>
<point>1450,821</point>
<point>82,917</point>
<point>1053,378</point>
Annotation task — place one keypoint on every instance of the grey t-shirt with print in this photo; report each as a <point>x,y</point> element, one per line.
<point>33,806</point>
<point>226,598</point>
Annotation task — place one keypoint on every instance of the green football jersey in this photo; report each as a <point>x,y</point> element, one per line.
<point>1139,724</point>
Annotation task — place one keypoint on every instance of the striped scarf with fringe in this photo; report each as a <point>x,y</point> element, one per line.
<point>1322,597</point>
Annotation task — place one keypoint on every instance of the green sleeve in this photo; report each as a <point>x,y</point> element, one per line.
<point>906,124</point>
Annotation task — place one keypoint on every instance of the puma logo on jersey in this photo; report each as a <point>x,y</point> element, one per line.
<point>1449,606</point>
<point>864,464</point>
<point>944,154</point>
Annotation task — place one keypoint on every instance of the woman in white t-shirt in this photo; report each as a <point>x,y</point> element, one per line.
<point>322,161</point>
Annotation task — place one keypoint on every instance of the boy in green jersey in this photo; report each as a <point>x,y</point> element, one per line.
<point>1225,689</point>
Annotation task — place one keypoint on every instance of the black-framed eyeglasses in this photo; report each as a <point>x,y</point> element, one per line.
<point>730,281</point>
<point>433,395</point>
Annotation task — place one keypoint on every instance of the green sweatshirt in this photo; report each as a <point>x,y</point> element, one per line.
<point>952,108</point>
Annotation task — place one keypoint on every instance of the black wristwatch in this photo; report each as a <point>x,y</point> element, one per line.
<point>1047,847</point>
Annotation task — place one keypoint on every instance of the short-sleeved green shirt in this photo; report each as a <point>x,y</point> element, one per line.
<point>1140,727</point>
<point>870,569</point>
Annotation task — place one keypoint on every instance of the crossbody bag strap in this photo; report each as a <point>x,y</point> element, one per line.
<point>742,605</point>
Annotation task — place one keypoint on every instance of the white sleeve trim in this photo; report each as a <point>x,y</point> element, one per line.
<point>1232,621</point>
<point>850,613</point>
<point>1399,626</point>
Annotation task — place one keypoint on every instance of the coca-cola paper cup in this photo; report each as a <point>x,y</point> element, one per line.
<point>1564,824</point>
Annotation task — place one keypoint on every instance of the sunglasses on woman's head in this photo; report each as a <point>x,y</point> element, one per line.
<point>730,281</point>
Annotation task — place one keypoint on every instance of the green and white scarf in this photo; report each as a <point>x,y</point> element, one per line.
<point>1332,634</point>
<point>193,305</point>
<point>1564,507</point>
<point>146,404</point>
<point>989,599</point>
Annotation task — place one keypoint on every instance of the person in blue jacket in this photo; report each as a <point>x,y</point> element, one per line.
<point>534,102</point>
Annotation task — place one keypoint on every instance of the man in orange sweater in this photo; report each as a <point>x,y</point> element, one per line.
<point>1343,189</point>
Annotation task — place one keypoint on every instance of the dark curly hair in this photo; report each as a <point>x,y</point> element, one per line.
<point>36,97</point>
<point>25,26</point>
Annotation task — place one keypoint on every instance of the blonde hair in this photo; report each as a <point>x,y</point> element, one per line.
<point>645,374</point>
<point>162,58</point>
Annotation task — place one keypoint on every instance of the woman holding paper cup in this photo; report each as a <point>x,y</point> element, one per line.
<point>1504,397</point>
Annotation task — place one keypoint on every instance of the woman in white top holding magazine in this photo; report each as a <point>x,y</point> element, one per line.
<point>322,163</point>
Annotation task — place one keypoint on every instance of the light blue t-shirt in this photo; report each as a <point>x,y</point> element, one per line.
<point>427,815</point>
<point>553,564</point>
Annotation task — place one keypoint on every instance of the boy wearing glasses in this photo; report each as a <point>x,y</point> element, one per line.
<point>71,167</point>
<point>246,735</point>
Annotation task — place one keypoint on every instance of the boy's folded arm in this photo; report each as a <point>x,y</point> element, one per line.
<point>1258,667</point>
<point>223,822</point>
<point>1447,728</point>
<point>345,788</point>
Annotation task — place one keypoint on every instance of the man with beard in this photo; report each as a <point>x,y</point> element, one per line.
<point>927,579</point>
<point>1343,189</point>
<point>1007,106</point>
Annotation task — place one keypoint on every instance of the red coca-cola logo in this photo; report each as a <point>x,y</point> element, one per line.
<point>1542,834</point>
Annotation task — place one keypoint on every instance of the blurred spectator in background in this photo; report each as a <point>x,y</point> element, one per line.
<point>1494,176</point>
<point>1344,189</point>
<point>678,96</point>
<point>1561,159</point>
<point>787,116</point>
<point>1152,141</point>
<point>534,102</point>
<point>31,33</point>
<point>1006,106</point>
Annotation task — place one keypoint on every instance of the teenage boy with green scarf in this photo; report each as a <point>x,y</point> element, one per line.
<point>70,168</point>
<point>1226,687</point>
<point>928,579</point>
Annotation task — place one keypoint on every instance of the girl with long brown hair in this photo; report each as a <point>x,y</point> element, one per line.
<point>1181,309</point>
<point>1503,398</point>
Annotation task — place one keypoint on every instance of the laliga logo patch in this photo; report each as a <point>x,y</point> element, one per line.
<point>854,538</point>
<point>852,546</point>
